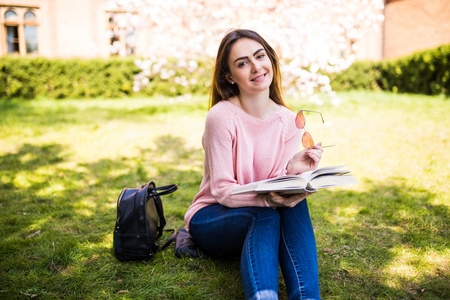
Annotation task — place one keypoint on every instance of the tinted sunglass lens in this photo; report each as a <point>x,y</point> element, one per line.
<point>300,120</point>
<point>307,140</point>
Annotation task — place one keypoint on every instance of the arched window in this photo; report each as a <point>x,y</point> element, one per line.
<point>10,16</point>
<point>30,17</point>
<point>30,28</point>
<point>21,28</point>
<point>12,31</point>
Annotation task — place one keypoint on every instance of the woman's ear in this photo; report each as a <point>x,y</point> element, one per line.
<point>229,78</point>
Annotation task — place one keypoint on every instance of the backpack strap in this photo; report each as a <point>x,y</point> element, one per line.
<point>154,192</point>
<point>170,240</point>
<point>164,190</point>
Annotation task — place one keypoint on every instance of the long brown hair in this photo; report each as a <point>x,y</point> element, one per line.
<point>221,89</point>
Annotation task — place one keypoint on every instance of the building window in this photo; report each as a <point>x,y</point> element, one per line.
<point>20,31</point>
<point>11,16</point>
<point>12,31</point>
<point>30,28</point>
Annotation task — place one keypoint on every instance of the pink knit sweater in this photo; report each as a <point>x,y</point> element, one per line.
<point>240,149</point>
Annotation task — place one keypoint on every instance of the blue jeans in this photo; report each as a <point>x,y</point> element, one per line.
<point>264,238</point>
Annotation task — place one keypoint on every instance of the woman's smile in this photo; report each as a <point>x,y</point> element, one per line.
<point>260,77</point>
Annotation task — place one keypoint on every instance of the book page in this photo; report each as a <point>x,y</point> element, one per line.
<point>248,188</point>
<point>281,183</point>
<point>335,170</point>
<point>291,184</point>
<point>325,181</point>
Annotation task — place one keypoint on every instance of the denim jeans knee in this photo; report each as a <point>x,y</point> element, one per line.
<point>264,238</point>
<point>251,232</point>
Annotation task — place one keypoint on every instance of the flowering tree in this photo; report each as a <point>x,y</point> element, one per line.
<point>312,37</point>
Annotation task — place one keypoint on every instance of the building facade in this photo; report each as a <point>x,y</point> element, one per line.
<point>89,28</point>
<point>413,25</point>
<point>54,28</point>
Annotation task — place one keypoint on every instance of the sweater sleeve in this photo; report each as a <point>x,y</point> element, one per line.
<point>218,140</point>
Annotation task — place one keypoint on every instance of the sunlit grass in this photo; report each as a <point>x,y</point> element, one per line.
<point>63,164</point>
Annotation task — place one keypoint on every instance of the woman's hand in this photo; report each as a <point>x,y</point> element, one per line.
<point>276,200</point>
<point>305,160</point>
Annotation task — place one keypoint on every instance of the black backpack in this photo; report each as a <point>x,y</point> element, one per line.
<point>140,222</point>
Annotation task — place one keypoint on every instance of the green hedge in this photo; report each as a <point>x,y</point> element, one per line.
<point>360,75</point>
<point>86,78</point>
<point>182,78</point>
<point>57,78</point>
<point>424,72</point>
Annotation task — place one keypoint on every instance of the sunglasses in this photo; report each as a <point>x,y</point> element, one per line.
<point>300,122</point>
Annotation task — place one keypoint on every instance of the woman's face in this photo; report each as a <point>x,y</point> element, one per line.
<point>250,66</point>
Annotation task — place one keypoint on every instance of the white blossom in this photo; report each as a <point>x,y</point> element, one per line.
<point>311,37</point>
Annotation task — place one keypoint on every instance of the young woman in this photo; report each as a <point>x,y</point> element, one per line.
<point>250,135</point>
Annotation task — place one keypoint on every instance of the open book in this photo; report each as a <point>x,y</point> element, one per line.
<point>295,184</point>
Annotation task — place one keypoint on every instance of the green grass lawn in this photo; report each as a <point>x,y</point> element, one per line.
<point>63,164</point>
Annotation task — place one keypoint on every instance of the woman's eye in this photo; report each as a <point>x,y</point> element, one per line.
<point>241,64</point>
<point>260,56</point>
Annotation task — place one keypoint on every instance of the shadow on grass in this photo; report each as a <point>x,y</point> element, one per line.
<point>380,241</point>
<point>92,112</point>
<point>47,202</point>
